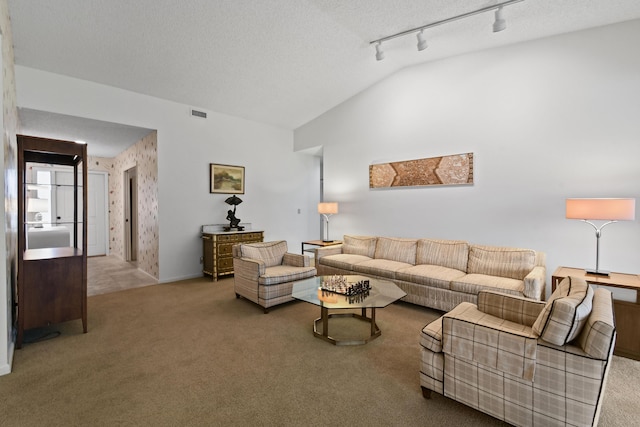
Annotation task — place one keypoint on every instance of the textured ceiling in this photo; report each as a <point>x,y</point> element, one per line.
<point>104,139</point>
<point>282,62</point>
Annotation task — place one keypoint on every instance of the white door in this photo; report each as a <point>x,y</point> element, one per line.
<point>96,209</point>
<point>63,204</point>
<point>97,214</point>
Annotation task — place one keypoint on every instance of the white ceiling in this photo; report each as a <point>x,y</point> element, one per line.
<point>282,62</point>
<point>104,139</point>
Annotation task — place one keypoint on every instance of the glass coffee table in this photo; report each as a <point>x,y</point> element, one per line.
<point>381,294</point>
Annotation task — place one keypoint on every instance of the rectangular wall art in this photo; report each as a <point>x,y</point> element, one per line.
<point>446,170</point>
<point>226,179</point>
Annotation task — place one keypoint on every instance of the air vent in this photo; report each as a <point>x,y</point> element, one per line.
<point>200,114</point>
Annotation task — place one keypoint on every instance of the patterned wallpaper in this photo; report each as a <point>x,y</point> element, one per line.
<point>10,146</point>
<point>143,155</point>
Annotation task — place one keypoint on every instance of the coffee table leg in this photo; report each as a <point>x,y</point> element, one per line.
<point>373,322</point>
<point>324,314</point>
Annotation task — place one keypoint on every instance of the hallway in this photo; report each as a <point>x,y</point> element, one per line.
<point>107,274</point>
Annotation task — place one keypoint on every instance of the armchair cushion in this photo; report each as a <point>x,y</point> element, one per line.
<point>285,273</point>
<point>510,307</point>
<point>502,262</point>
<point>478,337</point>
<point>566,312</point>
<point>359,245</point>
<point>271,253</point>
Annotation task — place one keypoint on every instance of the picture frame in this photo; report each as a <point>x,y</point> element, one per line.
<point>226,179</point>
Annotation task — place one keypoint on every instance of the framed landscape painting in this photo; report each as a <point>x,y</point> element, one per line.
<point>226,179</point>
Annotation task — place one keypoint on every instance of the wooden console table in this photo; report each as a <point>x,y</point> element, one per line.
<point>627,314</point>
<point>318,243</point>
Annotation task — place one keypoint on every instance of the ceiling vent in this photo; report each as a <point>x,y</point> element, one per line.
<point>197,113</point>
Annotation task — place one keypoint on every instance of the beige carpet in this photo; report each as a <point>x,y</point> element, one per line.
<point>191,354</point>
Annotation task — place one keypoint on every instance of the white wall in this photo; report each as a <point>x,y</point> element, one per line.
<point>278,180</point>
<point>546,120</point>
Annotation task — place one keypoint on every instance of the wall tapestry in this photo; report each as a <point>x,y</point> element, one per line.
<point>226,179</point>
<point>446,170</point>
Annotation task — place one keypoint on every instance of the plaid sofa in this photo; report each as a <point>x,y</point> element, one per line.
<point>437,273</point>
<point>495,356</point>
<point>265,272</point>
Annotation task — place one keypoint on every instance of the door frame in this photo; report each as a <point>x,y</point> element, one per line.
<point>130,217</point>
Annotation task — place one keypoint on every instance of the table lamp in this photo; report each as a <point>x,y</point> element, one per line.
<point>610,210</point>
<point>37,207</point>
<point>326,210</point>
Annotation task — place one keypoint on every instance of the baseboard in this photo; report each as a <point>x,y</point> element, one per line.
<point>179,278</point>
<point>6,368</point>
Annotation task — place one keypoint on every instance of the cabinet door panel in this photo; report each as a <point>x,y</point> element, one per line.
<point>53,291</point>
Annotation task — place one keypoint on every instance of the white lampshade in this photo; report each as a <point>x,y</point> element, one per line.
<point>601,209</point>
<point>328,208</point>
<point>37,205</point>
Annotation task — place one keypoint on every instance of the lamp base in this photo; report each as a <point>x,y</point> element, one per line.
<point>602,273</point>
<point>327,241</point>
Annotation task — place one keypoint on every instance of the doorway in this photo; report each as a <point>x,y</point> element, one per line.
<point>131,214</point>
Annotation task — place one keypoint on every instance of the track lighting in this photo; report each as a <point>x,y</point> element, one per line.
<point>379,52</point>
<point>499,24</point>
<point>422,43</point>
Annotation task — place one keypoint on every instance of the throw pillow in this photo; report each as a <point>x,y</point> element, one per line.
<point>566,312</point>
<point>359,245</point>
<point>269,252</point>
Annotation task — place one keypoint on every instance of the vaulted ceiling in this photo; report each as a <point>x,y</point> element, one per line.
<point>282,62</point>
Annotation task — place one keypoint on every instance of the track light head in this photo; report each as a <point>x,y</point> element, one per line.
<point>422,43</point>
<point>500,24</point>
<point>379,52</point>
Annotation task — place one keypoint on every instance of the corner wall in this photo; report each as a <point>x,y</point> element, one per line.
<point>8,185</point>
<point>546,120</point>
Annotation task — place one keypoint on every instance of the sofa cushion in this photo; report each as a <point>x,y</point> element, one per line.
<point>502,262</point>
<point>474,283</point>
<point>429,275</point>
<point>380,267</point>
<point>566,311</point>
<point>269,252</point>
<point>401,250</point>
<point>343,261</point>
<point>359,245</point>
<point>447,253</point>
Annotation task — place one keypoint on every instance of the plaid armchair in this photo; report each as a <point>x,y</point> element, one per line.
<point>526,362</point>
<point>265,272</point>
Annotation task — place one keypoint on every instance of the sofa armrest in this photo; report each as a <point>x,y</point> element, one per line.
<point>249,268</point>
<point>328,250</point>
<point>510,307</point>
<point>506,346</point>
<point>535,283</point>
<point>296,260</point>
